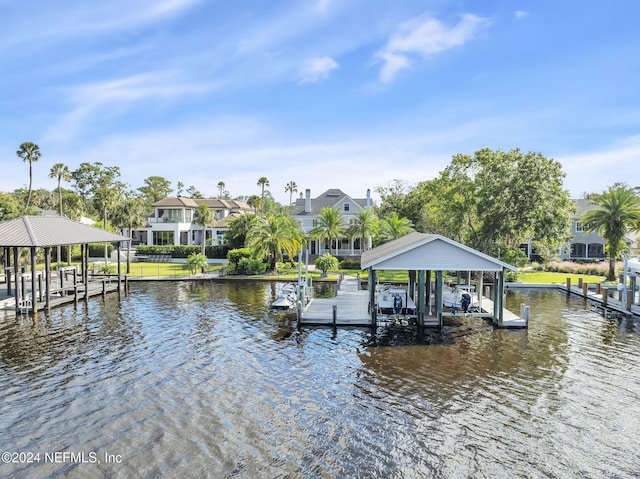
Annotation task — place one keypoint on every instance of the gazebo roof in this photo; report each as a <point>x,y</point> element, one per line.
<point>48,231</point>
<point>429,252</point>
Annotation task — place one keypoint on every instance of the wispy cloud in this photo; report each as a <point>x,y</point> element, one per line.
<point>110,97</point>
<point>425,37</point>
<point>520,14</point>
<point>315,69</point>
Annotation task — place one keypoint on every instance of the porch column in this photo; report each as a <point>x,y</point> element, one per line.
<point>428,298</point>
<point>118,250</point>
<point>498,292</point>
<point>16,272</point>
<point>47,278</point>
<point>371,285</point>
<point>412,284</point>
<point>34,306</point>
<point>439,286</point>
<point>421,302</point>
<point>85,273</point>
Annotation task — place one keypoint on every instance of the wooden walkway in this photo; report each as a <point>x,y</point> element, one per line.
<point>351,306</point>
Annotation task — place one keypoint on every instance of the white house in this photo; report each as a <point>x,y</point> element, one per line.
<point>307,209</point>
<point>172,222</point>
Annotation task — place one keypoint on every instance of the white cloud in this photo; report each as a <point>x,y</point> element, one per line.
<point>520,14</point>
<point>593,172</point>
<point>111,97</point>
<point>425,37</point>
<point>315,69</point>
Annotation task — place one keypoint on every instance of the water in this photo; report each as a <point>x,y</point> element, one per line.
<point>203,380</point>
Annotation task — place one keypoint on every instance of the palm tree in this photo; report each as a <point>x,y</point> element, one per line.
<point>60,172</point>
<point>238,227</point>
<point>107,198</point>
<point>203,218</point>
<point>330,225</point>
<point>272,235</point>
<point>618,213</point>
<point>255,202</point>
<point>263,182</point>
<point>221,186</point>
<point>131,214</point>
<point>291,188</point>
<point>29,152</point>
<point>393,227</point>
<point>364,227</point>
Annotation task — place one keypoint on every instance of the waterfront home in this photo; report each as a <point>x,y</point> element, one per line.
<point>306,211</point>
<point>172,222</point>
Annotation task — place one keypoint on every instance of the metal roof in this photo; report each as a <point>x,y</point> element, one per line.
<point>429,252</point>
<point>47,231</point>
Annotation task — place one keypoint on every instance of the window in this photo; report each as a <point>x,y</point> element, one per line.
<point>345,207</point>
<point>162,238</point>
<point>580,227</point>
<point>578,250</point>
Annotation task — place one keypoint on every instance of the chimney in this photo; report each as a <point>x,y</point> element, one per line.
<point>368,198</point>
<point>307,201</point>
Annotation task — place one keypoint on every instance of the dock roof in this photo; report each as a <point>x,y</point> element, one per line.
<point>48,231</point>
<point>429,252</point>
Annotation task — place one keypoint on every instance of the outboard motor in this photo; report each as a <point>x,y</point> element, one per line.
<point>465,301</point>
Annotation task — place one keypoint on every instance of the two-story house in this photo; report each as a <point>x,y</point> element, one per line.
<point>590,245</point>
<point>306,210</point>
<point>172,222</point>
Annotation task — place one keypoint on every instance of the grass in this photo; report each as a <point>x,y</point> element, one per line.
<point>544,277</point>
<point>146,269</point>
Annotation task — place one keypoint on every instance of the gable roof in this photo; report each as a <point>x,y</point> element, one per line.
<point>330,198</point>
<point>429,252</point>
<point>47,231</point>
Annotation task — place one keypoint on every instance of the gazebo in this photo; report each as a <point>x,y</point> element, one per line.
<point>421,254</point>
<point>47,232</point>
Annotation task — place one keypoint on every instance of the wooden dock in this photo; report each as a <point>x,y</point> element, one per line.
<point>352,309</point>
<point>96,287</point>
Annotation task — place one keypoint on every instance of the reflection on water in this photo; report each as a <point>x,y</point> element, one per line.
<point>204,380</point>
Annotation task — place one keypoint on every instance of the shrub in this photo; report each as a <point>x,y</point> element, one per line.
<point>350,264</point>
<point>96,250</point>
<point>326,262</point>
<point>235,255</point>
<point>196,261</point>
<point>250,266</point>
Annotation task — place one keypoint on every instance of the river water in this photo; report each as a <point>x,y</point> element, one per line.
<point>203,380</point>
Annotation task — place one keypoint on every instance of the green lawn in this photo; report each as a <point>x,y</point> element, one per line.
<point>556,278</point>
<point>144,269</point>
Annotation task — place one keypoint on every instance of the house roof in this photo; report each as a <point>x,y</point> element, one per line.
<point>214,203</point>
<point>429,252</point>
<point>329,198</point>
<point>47,231</point>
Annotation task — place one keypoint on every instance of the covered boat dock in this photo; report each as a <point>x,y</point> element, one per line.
<point>30,288</point>
<point>427,255</point>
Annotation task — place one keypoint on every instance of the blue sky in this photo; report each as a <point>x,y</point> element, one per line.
<point>346,94</point>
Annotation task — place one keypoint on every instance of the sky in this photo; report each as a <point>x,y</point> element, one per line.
<point>348,94</point>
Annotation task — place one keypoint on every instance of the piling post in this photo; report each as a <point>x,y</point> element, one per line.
<point>605,296</point>
<point>598,287</point>
<point>568,285</point>
<point>335,313</point>
<point>579,282</point>
<point>630,294</point>
<point>585,289</point>
<point>104,290</point>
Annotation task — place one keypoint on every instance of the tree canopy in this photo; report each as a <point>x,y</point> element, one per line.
<point>494,200</point>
